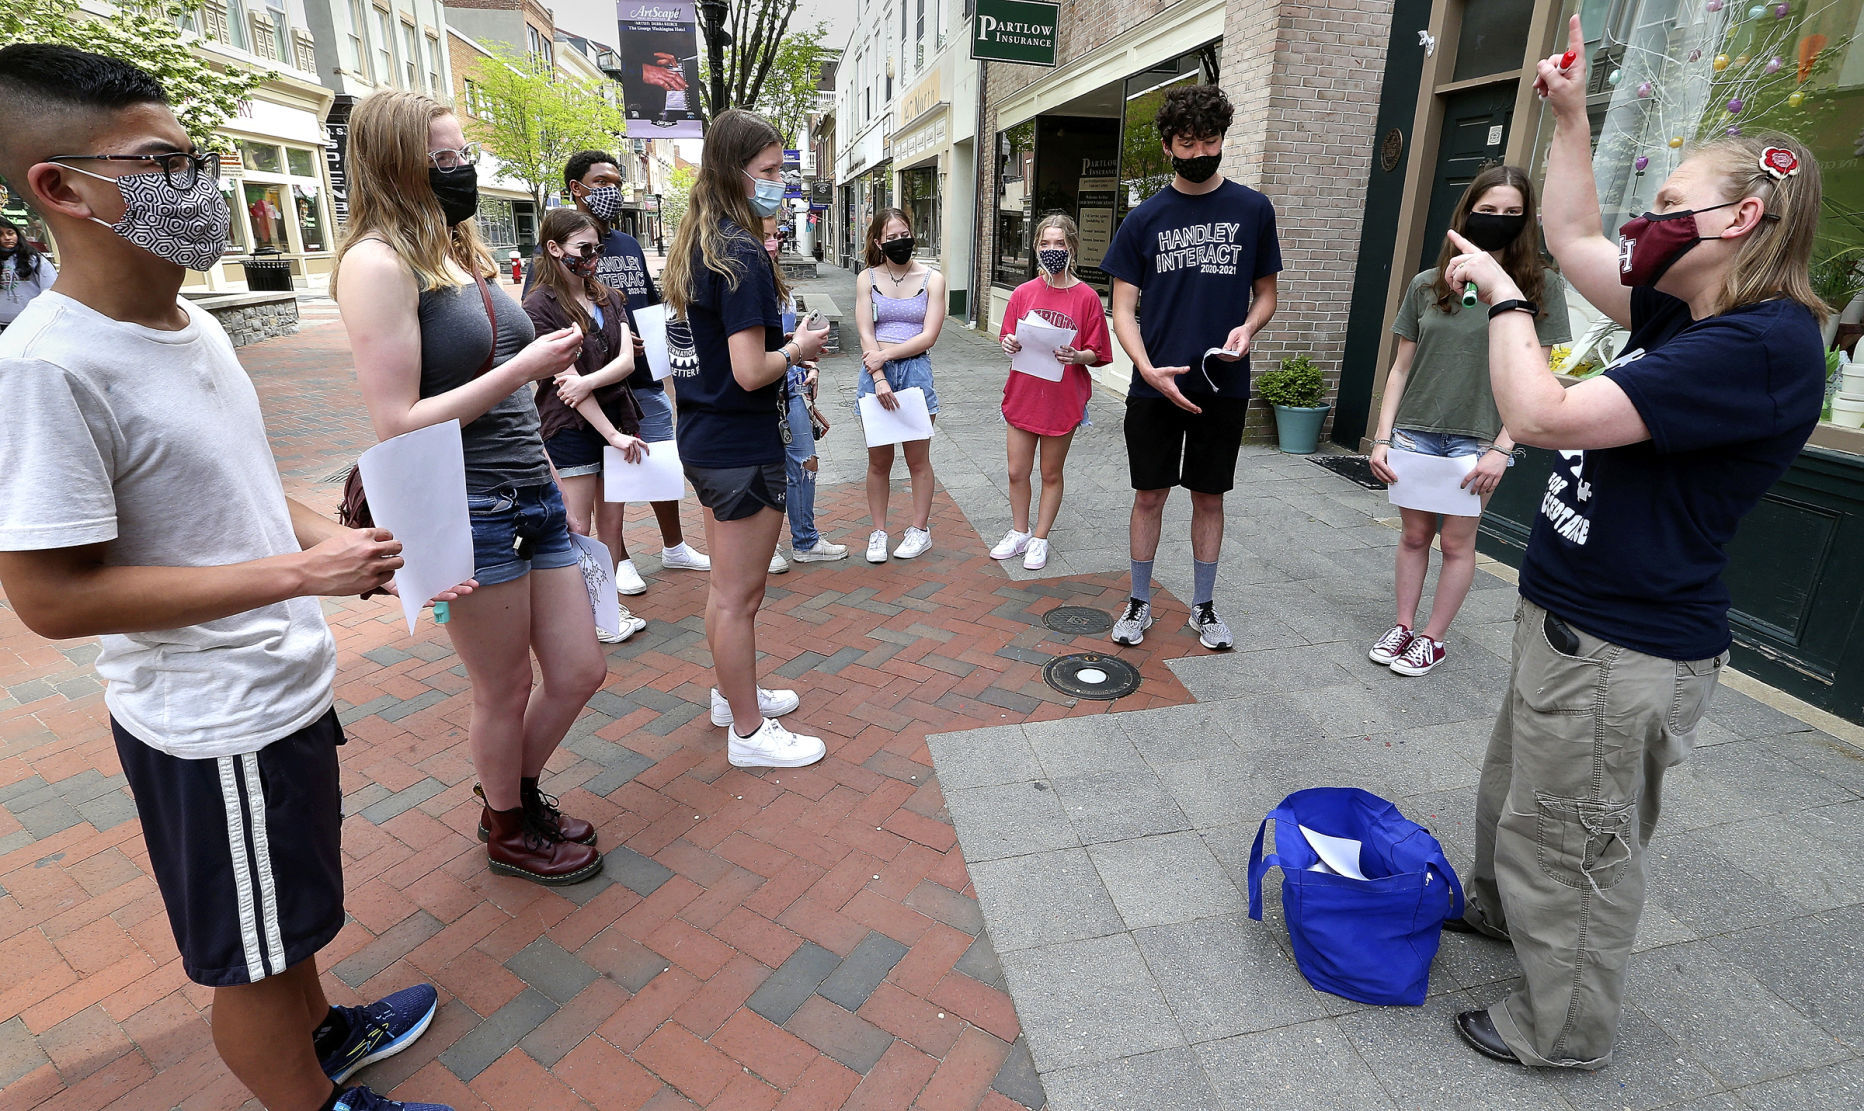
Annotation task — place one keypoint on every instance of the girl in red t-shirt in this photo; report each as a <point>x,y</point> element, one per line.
<point>1039,411</point>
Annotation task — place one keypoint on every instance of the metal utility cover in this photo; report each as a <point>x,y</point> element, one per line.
<point>1091,675</point>
<point>1077,619</point>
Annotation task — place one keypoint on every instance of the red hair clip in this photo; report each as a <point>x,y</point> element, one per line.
<point>1779,163</point>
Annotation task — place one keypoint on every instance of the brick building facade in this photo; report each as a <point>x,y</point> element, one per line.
<point>1304,77</point>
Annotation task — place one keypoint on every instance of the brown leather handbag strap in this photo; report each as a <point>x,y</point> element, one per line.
<point>485,293</point>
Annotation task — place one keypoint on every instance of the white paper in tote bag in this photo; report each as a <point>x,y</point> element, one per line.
<point>416,484</point>
<point>1431,483</point>
<point>657,477</point>
<point>651,321</point>
<point>1039,340</point>
<point>911,421</point>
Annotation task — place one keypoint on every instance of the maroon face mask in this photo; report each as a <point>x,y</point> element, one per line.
<point>1650,244</point>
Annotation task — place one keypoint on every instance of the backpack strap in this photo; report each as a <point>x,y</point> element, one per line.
<point>491,314</point>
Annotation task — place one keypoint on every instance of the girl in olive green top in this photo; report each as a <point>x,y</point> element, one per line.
<point>1438,402</point>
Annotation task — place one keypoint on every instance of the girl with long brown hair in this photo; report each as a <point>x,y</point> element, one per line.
<point>589,406</point>
<point>733,427</point>
<point>1438,402</point>
<point>435,340</point>
<point>899,307</point>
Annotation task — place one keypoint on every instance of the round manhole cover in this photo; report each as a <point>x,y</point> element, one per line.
<point>1078,619</point>
<point>1091,675</point>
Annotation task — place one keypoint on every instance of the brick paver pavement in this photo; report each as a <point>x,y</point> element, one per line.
<point>786,939</point>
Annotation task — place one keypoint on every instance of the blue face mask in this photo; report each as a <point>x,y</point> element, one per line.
<point>769,198</point>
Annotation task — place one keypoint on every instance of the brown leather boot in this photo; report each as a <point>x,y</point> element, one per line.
<point>516,847</point>
<point>544,814</point>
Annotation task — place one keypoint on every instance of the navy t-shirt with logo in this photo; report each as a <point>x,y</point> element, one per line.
<point>721,423</point>
<point>623,266</point>
<point>1195,260</point>
<point>1630,542</point>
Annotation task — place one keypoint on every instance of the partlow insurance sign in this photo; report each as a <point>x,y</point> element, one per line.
<point>1020,31</point>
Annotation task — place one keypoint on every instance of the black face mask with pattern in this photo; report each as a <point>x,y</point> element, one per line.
<point>1196,170</point>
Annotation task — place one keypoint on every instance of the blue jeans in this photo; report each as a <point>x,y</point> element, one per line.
<point>517,530</point>
<point>801,500</point>
<point>1446,444</point>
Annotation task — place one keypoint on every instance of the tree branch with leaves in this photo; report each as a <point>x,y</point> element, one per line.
<point>756,30</point>
<point>530,118</point>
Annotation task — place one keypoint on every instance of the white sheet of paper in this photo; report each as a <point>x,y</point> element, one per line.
<point>652,323</point>
<point>911,421</point>
<point>1431,483</point>
<point>657,477</point>
<point>416,484</point>
<point>1340,855</point>
<point>1040,339</point>
<point>594,557</point>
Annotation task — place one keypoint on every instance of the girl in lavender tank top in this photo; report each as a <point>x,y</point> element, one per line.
<point>899,307</point>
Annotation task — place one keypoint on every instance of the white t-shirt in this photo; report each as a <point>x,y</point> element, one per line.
<point>152,443</point>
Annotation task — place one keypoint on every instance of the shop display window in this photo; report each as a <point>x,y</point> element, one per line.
<point>266,215</point>
<point>310,211</point>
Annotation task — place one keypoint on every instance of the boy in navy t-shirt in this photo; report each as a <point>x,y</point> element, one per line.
<point>1204,253</point>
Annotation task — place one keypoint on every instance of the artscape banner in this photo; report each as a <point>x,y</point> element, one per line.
<point>659,48</point>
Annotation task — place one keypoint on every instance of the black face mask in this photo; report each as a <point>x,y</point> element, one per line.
<point>899,250</point>
<point>1196,170</point>
<point>457,190</point>
<point>1492,231</point>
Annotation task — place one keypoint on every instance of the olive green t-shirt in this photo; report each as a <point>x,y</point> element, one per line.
<point>1448,390</point>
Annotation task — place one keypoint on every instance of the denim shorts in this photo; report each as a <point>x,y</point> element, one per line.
<point>576,451</point>
<point>903,374</point>
<point>1446,445</point>
<point>656,414</point>
<point>518,530</point>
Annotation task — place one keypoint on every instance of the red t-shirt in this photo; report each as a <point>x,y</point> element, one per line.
<point>1055,408</point>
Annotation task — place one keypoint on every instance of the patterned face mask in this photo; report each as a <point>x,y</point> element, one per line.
<point>604,203</point>
<point>1053,259</point>
<point>187,227</point>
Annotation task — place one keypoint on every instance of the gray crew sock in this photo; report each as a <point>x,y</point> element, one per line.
<point>1204,588</point>
<point>1142,579</point>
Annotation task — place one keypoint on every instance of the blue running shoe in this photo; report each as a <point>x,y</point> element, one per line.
<point>362,1099</point>
<point>380,1030</point>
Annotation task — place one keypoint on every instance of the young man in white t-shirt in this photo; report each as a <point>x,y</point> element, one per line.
<point>139,502</point>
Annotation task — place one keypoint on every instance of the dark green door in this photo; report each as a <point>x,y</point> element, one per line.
<point>1372,276</point>
<point>1475,132</point>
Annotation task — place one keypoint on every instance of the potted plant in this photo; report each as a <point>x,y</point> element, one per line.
<point>1298,393</point>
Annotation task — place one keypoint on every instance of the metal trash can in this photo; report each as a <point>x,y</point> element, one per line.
<point>266,273</point>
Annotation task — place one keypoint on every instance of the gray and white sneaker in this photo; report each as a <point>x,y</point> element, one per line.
<point>1211,631</point>
<point>823,552</point>
<point>770,704</point>
<point>773,746</point>
<point>1132,625</point>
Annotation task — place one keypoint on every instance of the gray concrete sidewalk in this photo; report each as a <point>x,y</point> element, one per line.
<point>1110,853</point>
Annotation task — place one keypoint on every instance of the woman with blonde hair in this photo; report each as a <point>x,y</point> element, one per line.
<point>1035,410</point>
<point>1622,628</point>
<point>434,341</point>
<point>734,425</point>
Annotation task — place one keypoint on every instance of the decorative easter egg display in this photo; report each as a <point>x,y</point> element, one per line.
<point>1756,11</point>
<point>1695,55</point>
<point>1735,106</point>
<point>1714,5</point>
<point>1612,77</point>
<point>1773,66</point>
<point>1734,132</point>
<point>1780,11</point>
<point>1720,63</point>
<point>1741,60</point>
<point>1642,163</point>
<point>1796,99</point>
<point>1676,142</point>
<point>1645,89</point>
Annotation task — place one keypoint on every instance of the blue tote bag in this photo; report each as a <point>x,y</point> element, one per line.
<point>1365,891</point>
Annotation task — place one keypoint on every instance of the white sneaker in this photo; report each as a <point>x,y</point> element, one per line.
<point>627,579</point>
<point>773,746</point>
<point>1036,558</point>
<point>778,565</point>
<point>630,625</point>
<point>918,542</point>
<point>821,553</point>
<point>877,547</point>
<point>771,704</point>
<point>685,557</point>
<point>1012,544</point>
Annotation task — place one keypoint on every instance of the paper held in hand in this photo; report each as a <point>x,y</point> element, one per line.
<point>652,322</point>
<point>911,421</point>
<point>417,490</point>
<point>593,557</point>
<point>657,477</point>
<point>1432,483</point>
<point>1039,339</point>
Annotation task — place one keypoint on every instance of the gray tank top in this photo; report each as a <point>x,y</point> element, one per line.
<point>503,447</point>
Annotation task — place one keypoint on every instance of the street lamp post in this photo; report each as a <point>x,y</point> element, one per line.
<point>713,12</point>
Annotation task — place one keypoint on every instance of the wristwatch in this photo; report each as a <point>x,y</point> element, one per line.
<point>1515,305</point>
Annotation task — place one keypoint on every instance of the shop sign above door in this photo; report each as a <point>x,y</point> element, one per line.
<point>1022,31</point>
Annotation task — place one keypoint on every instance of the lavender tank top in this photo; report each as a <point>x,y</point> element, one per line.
<point>898,319</point>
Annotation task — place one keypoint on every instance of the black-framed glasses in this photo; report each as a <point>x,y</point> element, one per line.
<point>181,169</point>
<point>586,250</point>
<point>444,159</point>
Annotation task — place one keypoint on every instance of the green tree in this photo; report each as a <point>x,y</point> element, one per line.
<point>148,34</point>
<point>530,119</point>
<point>673,202</point>
<point>794,85</point>
<point>756,31</point>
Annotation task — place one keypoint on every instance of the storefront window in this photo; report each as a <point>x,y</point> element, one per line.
<point>302,162</point>
<point>496,226</point>
<point>265,208</point>
<point>1016,173</point>
<point>236,229</point>
<point>919,192</point>
<point>310,216</point>
<point>260,156</point>
<point>1493,38</point>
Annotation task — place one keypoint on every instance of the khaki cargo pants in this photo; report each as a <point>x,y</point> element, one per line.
<point>1570,792</point>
